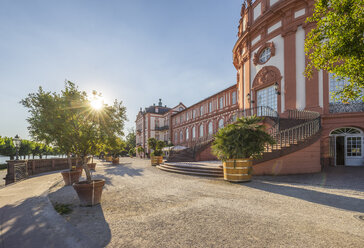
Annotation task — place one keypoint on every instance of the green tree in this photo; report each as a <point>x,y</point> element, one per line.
<point>336,44</point>
<point>7,147</point>
<point>130,140</point>
<point>25,148</point>
<point>71,122</point>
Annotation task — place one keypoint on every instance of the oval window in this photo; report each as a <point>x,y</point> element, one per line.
<point>265,55</point>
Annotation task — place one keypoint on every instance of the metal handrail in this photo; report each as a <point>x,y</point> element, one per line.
<point>283,138</point>
<point>293,135</point>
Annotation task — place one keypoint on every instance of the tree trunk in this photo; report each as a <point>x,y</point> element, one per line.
<point>69,161</point>
<point>87,170</point>
<point>92,159</point>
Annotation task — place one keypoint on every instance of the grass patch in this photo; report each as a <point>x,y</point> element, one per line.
<point>3,166</point>
<point>63,208</point>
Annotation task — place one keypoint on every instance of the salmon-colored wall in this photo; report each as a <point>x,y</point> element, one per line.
<point>303,161</point>
<point>206,155</point>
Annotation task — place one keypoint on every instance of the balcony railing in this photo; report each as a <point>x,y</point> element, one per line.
<point>163,128</point>
<point>346,107</point>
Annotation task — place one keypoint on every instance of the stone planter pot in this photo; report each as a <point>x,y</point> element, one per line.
<point>238,170</point>
<point>89,193</point>
<point>115,160</point>
<point>91,166</point>
<point>71,176</point>
<point>156,160</point>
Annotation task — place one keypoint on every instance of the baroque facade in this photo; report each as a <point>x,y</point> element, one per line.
<point>311,128</point>
<point>154,122</point>
<point>201,120</point>
<point>270,60</point>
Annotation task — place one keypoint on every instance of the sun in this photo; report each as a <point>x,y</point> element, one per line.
<point>97,103</point>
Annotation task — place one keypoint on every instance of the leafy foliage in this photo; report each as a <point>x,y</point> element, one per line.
<point>336,44</point>
<point>243,139</point>
<point>27,148</point>
<point>68,121</point>
<point>156,146</point>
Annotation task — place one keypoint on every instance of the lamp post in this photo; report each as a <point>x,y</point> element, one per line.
<point>17,144</point>
<point>276,88</point>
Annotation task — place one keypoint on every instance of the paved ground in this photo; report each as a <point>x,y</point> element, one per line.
<point>145,207</point>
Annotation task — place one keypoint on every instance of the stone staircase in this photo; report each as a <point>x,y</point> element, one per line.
<point>196,169</point>
<point>296,131</point>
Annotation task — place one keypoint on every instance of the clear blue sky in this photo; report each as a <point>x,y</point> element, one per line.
<point>136,51</point>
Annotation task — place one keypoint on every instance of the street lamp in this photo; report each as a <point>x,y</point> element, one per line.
<point>17,144</point>
<point>276,88</point>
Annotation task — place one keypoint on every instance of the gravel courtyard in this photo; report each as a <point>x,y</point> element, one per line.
<point>145,207</point>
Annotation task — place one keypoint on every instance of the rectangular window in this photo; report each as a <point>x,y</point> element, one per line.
<point>194,114</point>
<point>221,102</point>
<point>201,110</point>
<point>210,107</point>
<point>353,147</point>
<point>234,97</point>
<point>187,116</point>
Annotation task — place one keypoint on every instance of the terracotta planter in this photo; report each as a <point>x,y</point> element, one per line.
<point>91,166</point>
<point>89,193</point>
<point>156,160</point>
<point>238,170</point>
<point>70,177</point>
<point>108,159</point>
<point>115,160</point>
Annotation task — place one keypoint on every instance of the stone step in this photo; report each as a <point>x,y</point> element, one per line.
<point>193,166</point>
<point>212,172</point>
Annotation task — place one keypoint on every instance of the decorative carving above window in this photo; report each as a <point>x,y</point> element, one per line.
<point>264,53</point>
<point>266,76</point>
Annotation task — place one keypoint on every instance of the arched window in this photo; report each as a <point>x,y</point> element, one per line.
<point>187,134</point>
<point>201,130</point>
<point>346,130</point>
<point>210,128</point>
<point>193,132</point>
<point>221,123</point>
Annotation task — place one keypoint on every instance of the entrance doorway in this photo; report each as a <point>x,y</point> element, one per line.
<point>340,150</point>
<point>347,144</point>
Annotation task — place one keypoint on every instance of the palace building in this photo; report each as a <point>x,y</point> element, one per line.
<point>154,122</point>
<point>311,128</point>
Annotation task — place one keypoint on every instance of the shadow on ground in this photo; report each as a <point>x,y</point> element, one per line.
<point>89,221</point>
<point>331,200</point>
<point>350,178</point>
<point>123,170</point>
<point>34,223</point>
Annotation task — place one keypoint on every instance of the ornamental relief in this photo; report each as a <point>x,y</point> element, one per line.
<point>266,76</point>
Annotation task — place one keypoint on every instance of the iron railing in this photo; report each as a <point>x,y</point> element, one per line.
<point>283,138</point>
<point>346,107</point>
<point>161,128</point>
<point>293,135</point>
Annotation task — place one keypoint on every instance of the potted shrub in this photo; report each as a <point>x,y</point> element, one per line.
<point>140,151</point>
<point>77,123</point>
<point>115,147</point>
<point>131,152</point>
<point>237,144</point>
<point>156,157</point>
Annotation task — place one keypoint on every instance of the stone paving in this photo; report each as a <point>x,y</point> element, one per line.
<point>145,207</point>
